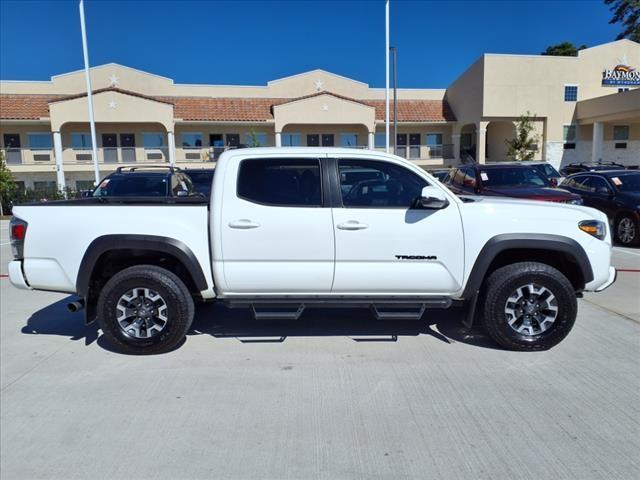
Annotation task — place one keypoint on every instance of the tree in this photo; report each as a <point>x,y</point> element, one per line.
<point>253,140</point>
<point>7,185</point>
<point>523,145</point>
<point>627,13</point>
<point>564,49</point>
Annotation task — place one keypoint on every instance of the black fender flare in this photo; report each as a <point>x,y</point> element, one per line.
<point>539,241</point>
<point>167,245</point>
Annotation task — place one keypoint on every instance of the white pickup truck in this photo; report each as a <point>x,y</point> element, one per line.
<point>290,228</point>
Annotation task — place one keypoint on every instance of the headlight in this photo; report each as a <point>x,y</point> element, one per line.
<point>594,228</point>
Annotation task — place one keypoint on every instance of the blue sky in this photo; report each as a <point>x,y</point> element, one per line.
<point>254,42</point>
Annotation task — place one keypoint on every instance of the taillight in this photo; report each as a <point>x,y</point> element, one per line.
<point>17,234</point>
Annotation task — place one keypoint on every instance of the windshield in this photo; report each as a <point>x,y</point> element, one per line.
<point>548,170</point>
<point>512,177</point>
<point>628,182</point>
<point>133,186</point>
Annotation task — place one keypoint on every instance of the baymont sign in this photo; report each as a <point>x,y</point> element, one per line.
<point>621,75</point>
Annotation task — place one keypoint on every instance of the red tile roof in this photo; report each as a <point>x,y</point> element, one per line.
<point>25,107</point>
<point>64,98</point>
<point>34,107</point>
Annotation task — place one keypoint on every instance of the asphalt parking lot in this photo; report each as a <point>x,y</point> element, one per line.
<point>336,395</point>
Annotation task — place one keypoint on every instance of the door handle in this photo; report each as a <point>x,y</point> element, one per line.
<point>243,224</point>
<point>352,225</point>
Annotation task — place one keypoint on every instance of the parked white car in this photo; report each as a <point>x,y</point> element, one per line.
<point>290,228</point>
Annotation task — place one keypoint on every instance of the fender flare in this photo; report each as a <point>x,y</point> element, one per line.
<point>167,245</point>
<point>540,241</point>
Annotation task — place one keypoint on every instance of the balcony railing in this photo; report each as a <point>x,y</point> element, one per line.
<point>28,156</point>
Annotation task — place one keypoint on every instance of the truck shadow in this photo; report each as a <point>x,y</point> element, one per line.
<point>221,322</point>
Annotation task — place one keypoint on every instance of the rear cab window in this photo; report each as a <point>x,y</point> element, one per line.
<point>281,182</point>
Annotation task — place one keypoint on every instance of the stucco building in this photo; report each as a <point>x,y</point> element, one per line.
<point>586,108</point>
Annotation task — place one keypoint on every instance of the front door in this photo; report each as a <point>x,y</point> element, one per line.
<point>328,140</point>
<point>401,145</point>
<point>12,145</point>
<point>110,147</point>
<point>128,146</point>
<point>385,244</point>
<point>277,232</point>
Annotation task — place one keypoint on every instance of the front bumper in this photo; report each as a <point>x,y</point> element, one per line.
<point>613,275</point>
<point>16,277</point>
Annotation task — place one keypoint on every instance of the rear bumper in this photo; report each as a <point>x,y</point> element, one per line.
<point>613,275</point>
<point>16,277</point>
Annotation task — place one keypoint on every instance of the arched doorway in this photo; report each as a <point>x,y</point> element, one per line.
<point>498,132</point>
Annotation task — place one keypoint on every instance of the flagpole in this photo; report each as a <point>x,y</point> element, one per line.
<point>386,76</point>
<point>92,122</point>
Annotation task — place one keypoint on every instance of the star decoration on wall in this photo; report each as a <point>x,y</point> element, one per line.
<point>112,104</point>
<point>318,84</point>
<point>113,80</point>
<point>325,108</point>
<point>623,60</point>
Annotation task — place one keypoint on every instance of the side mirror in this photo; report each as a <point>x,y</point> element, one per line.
<point>433,198</point>
<point>603,191</point>
<point>182,193</point>
<point>553,182</point>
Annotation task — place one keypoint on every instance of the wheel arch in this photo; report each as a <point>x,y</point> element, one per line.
<point>561,252</point>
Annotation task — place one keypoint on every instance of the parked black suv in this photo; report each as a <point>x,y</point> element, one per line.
<point>589,167</point>
<point>146,181</point>
<point>616,193</point>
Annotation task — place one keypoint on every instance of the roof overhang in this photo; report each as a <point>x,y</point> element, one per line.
<point>622,106</point>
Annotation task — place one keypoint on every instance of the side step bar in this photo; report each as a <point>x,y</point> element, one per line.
<point>291,308</point>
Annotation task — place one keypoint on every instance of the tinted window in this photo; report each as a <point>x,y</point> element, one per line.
<point>457,178</point>
<point>201,181</point>
<point>133,186</point>
<point>290,182</point>
<point>366,183</point>
<point>594,183</point>
<point>627,182</point>
<point>469,179</point>
<point>513,177</point>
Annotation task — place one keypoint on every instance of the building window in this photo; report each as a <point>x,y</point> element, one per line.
<point>291,139</point>
<point>153,140</point>
<point>623,89</point>
<point>216,140</point>
<point>570,93</point>
<point>82,185</point>
<point>40,141</point>
<point>45,187</point>
<point>620,135</point>
<point>253,139</point>
<point>433,139</point>
<point>81,141</point>
<point>380,140</point>
<point>348,140</point>
<point>191,140</point>
<point>569,137</point>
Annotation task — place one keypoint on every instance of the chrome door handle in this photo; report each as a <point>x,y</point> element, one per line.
<point>352,225</point>
<point>243,224</point>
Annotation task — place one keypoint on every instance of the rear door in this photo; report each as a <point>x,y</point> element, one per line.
<point>276,227</point>
<point>385,243</point>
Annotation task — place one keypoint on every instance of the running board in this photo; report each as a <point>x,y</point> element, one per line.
<point>291,308</point>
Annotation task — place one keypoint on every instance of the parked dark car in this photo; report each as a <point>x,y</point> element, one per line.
<point>440,173</point>
<point>146,181</point>
<point>546,169</point>
<point>202,179</point>
<point>507,180</point>
<point>616,193</point>
<point>589,167</point>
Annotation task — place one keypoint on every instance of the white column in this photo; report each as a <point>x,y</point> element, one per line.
<point>278,139</point>
<point>372,141</point>
<point>172,148</point>
<point>598,137</point>
<point>57,151</point>
<point>481,142</point>
<point>455,138</point>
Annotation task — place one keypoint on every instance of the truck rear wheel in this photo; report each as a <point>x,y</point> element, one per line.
<point>145,310</point>
<point>529,306</point>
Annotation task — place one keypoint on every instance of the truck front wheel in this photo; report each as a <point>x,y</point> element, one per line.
<point>145,310</point>
<point>529,306</point>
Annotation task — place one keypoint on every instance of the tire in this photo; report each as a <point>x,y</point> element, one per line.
<point>518,291</point>
<point>626,231</point>
<point>167,316</point>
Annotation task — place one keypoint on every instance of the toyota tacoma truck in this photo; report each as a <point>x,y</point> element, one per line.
<point>291,228</point>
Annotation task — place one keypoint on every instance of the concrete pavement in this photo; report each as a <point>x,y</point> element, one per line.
<point>335,395</point>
